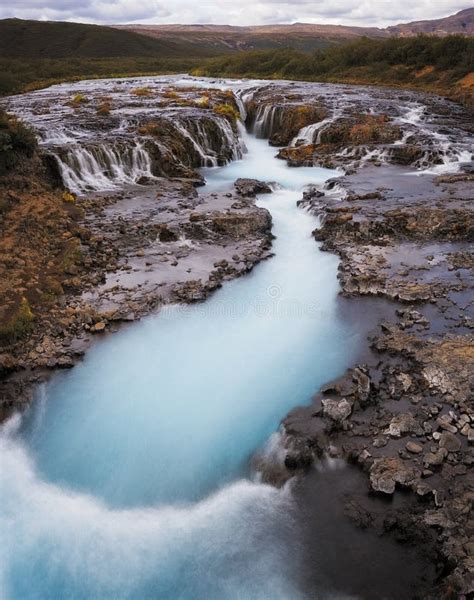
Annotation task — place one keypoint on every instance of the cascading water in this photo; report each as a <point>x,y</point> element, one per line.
<point>311,134</point>
<point>448,152</point>
<point>104,166</point>
<point>130,478</point>
<point>266,119</point>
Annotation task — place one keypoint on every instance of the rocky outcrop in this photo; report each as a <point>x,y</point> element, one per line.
<point>303,155</point>
<point>360,129</point>
<point>409,426</point>
<point>405,415</point>
<point>151,250</point>
<point>279,120</point>
<point>249,188</point>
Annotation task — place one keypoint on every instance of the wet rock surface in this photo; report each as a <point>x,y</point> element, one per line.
<point>139,250</point>
<point>110,198</point>
<point>403,225</point>
<point>400,217</point>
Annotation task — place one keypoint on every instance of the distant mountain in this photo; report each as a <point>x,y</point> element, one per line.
<point>40,39</point>
<point>462,22</point>
<point>218,39</point>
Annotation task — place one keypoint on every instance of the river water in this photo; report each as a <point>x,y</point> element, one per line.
<point>130,476</point>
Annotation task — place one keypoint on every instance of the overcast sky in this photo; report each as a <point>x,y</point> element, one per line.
<point>233,12</point>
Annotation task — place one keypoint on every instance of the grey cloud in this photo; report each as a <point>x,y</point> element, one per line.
<point>243,12</point>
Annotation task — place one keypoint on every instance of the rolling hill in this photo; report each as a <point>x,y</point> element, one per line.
<point>52,40</point>
<point>223,39</point>
<point>460,23</point>
<point>305,37</point>
<point>57,40</point>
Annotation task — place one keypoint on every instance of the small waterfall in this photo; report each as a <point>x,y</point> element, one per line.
<point>214,140</point>
<point>233,140</point>
<point>414,114</point>
<point>265,120</point>
<point>60,135</point>
<point>450,153</point>
<point>207,155</point>
<point>241,99</point>
<point>311,134</point>
<point>446,152</point>
<point>104,166</point>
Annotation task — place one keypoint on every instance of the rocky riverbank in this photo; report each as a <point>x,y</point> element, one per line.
<point>76,265</point>
<point>406,414</point>
<point>400,218</point>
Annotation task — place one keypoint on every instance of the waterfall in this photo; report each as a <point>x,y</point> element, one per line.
<point>200,143</point>
<point>311,134</point>
<point>241,99</point>
<point>267,115</point>
<point>103,166</point>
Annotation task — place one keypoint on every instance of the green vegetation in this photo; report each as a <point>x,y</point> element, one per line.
<point>78,100</point>
<point>227,111</point>
<point>15,140</point>
<point>424,61</point>
<point>451,57</point>
<point>72,254</point>
<point>19,324</point>
<point>142,91</point>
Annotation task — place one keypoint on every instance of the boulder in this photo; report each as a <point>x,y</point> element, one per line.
<point>435,459</point>
<point>402,424</point>
<point>414,448</point>
<point>251,187</point>
<point>337,410</point>
<point>385,473</point>
<point>450,442</point>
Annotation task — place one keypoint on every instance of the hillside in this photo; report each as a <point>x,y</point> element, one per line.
<point>36,54</point>
<point>460,23</point>
<point>57,40</point>
<point>38,39</point>
<point>442,64</point>
<point>223,39</point>
<point>305,37</point>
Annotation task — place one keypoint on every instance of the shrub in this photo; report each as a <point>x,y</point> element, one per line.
<point>141,91</point>
<point>202,102</point>
<point>78,100</point>
<point>16,139</point>
<point>72,255</point>
<point>171,94</point>
<point>227,111</point>
<point>19,324</point>
<point>104,108</point>
<point>68,197</point>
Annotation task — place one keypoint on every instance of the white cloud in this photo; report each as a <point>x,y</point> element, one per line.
<point>240,12</point>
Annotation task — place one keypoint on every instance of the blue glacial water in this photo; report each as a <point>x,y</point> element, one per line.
<point>130,478</point>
